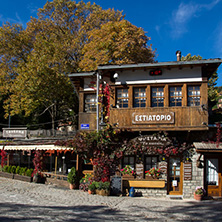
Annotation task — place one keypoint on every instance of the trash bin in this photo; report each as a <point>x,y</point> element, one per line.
<point>132,192</point>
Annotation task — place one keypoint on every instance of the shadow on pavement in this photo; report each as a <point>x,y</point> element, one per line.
<point>20,212</point>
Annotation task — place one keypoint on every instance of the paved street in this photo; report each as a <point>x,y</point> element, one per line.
<point>22,201</point>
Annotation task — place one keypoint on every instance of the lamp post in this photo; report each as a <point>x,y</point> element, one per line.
<point>63,165</point>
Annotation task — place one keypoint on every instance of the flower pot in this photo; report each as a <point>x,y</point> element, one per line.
<point>198,197</point>
<point>89,192</point>
<point>72,186</point>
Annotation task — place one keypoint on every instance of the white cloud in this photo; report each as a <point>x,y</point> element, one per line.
<point>11,20</point>
<point>185,13</point>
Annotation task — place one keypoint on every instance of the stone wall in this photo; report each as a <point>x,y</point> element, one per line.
<point>189,186</point>
<point>151,192</point>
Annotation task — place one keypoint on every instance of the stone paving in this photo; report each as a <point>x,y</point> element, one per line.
<point>22,201</point>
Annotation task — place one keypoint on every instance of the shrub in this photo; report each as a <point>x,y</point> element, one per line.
<point>9,169</point>
<point>99,185</point>
<point>5,168</point>
<point>106,186</point>
<point>28,173</point>
<point>13,169</point>
<point>17,169</point>
<point>72,176</point>
<point>92,186</point>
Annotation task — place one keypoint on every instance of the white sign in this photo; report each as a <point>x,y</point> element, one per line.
<point>174,183</point>
<point>15,132</point>
<point>153,118</point>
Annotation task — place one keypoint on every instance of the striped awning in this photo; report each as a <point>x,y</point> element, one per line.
<point>34,147</point>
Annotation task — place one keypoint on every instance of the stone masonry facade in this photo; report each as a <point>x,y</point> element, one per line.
<point>189,186</point>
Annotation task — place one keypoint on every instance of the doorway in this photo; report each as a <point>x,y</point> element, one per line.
<point>175,176</point>
<point>213,172</point>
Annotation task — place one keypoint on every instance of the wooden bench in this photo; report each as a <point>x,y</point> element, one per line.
<point>144,183</point>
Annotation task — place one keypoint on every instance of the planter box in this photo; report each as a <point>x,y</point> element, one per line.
<point>7,175</point>
<point>22,178</point>
<point>127,177</point>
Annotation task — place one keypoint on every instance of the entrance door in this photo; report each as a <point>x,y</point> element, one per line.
<point>175,176</point>
<point>213,176</point>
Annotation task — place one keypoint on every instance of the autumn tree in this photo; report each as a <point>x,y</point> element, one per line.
<point>35,61</point>
<point>116,43</point>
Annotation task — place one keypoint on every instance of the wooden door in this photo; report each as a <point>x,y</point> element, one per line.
<point>213,176</point>
<point>175,176</point>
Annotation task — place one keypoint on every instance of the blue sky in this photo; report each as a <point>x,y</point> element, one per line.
<point>190,26</point>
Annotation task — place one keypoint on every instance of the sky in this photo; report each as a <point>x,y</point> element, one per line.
<point>189,26</point>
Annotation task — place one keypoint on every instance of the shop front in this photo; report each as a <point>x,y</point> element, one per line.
<point>212,166</point>
<point>172,162</point>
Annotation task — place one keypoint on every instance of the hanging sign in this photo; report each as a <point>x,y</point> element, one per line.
<point>163,167</point>
<point>153,140</point>
<point>139,170</point>
<point>187,171</point>
<point>15,132</point>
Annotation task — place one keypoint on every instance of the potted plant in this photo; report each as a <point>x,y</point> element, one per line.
<point>72,178</point>
<point>155,173</point>
<point>105,189</point>
<point>199,193</point>
<point>128,172</point>
<point>92,188</point>
<point>99,187</point>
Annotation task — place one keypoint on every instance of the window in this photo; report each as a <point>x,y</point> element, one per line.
<point>90,103</point>
<point>212,172</point>
<point>122,98</point>
<point>139,96</point>
<point>193,95</point>
<point>128,160</point>
<point>150,161</point>
<point>175,96</point>
<point>157,97</point>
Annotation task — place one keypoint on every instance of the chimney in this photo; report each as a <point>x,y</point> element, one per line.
<point>178,53</point>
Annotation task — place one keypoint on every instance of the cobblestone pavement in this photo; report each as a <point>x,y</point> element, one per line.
<point>22,201</point>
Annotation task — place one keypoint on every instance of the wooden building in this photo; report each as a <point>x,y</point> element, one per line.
<point>151,98</point>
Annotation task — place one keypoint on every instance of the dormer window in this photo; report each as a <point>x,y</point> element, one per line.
<point>157,97</point>
<point>122,98</point>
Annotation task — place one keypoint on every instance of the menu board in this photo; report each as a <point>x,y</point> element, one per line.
<point>163,167</point>
<point>116,185</point>
<point>188,171</point>
<point>139,171</point>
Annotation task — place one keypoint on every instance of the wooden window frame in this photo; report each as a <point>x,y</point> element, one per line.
<point>175,96</point>
<point>92,108</point>
<point>128,162</point>
<point>192,103</point>
<point>118,99</point>
<point>140,98</point>
<point>157,97</point>
<point>145,162</point>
